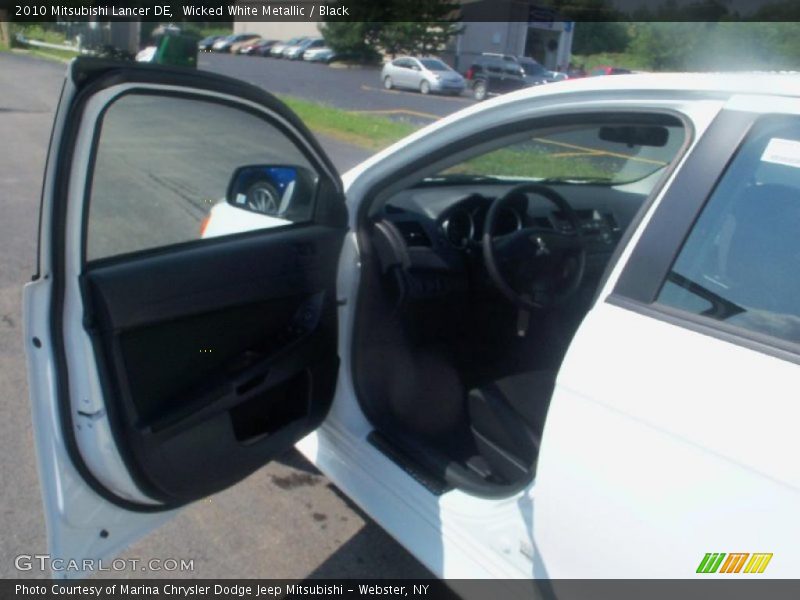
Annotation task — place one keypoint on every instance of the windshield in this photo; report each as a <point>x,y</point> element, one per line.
<point>574,153</point>
<point>433,64</point>
<point>532,68</point>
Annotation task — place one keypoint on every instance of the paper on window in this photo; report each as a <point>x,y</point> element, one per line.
<point>782,152</point>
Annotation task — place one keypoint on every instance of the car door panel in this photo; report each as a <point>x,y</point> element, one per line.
<point>186,346</point>
<point>165,368</point>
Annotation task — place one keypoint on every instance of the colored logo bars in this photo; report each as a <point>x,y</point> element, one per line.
<point>737,562</point>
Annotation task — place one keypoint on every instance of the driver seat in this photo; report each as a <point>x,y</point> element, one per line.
<point>507,419</point>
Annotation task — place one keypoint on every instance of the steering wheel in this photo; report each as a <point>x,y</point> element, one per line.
<point>535,267</point>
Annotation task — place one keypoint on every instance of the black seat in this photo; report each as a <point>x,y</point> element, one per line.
<point>507,419</point>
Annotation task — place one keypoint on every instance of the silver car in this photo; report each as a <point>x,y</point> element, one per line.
<point>277,50</point>
<point>424,74</point>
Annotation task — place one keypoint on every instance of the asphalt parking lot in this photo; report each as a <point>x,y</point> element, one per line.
<point>357,89</point>
<point>285,521</point>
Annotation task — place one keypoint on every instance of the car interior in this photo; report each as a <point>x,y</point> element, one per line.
<point>476,273</point>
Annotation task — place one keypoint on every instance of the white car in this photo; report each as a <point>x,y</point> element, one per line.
<point>278,49</point>
<point>146,54</point>
<point>424,74</point>
<point>321,54</point>
<point>553,335</point>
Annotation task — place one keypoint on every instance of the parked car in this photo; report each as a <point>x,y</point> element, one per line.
<point>244,42</point>
<point>425,74</point>
<point>170,47</point>
<point>575,71</point>
<point>321,54</point>
<point>493,74</point>
<point>277,50</point>
<point>243,46</point>
<point>606,70</point>
<point>536,74</point>
<point>530,341</point>
<point>225,44</point>
<point>259,48</point>
<point>296,52</point>
<point>206,43</point>
<point>146,54</point>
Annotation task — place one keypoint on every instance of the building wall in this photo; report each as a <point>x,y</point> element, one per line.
<point>272,30</point>
<point>500,37</point>
<point>512,33</point>
<point>550,43</point>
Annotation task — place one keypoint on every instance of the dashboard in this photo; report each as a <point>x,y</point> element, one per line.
<point>434,231</point>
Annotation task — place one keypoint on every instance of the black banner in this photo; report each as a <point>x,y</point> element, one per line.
<point>398,10</point>
<point>732,588</point>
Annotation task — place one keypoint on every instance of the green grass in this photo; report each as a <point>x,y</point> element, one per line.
<point>367,131</point>
<point>375,133</point>
<point>38,33</point>
<point>53,54</point>
<point>535,163</point>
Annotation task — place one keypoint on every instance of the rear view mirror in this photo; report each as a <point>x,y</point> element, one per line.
<point>274,190</point>
<point>635,135</point>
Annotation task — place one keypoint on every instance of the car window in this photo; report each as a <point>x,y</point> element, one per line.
<point>164,163</point>
<point>741,262</point>
<point>578,152</point>
<point>433,64</point>
<point>532,68</point>
<point>494,66</point>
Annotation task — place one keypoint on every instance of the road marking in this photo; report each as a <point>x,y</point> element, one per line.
<point>368,88</point>
<point>598,152</point>
<point>399,111</point>
<point>571,154</point>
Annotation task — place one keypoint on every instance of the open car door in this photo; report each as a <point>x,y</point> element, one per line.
<point>166,363</point>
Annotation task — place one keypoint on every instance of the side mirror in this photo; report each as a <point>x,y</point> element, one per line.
<point>273,190</point>
<point>635,135</point>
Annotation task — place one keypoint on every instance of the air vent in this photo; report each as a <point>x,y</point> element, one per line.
<point>612,222</point>
<point>413,233</point>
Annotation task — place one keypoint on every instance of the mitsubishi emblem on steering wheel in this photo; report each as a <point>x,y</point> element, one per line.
<point>541,247</point>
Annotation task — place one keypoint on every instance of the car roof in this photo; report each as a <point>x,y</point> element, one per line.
<point>768,83</point>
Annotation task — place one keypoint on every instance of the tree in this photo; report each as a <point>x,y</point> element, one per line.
<point>419,27</point>
<point>5,35</point>
<point>357,36</point>
<point>599,28</point>
<point>666,46</point>
<point>594,37</point>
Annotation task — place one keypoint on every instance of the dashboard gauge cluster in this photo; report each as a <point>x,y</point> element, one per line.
<point>464,223</point>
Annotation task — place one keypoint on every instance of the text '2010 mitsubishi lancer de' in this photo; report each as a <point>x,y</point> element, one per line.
<point>529,340</point>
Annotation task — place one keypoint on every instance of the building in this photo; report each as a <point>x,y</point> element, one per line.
<point>516,27</point>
